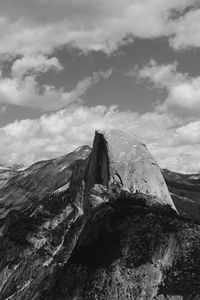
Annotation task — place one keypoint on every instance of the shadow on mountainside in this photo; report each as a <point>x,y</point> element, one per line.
<point>129,250</point>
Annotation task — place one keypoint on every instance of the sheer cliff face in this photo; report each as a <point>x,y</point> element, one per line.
<point>88,235</point>
<point>120,158</point>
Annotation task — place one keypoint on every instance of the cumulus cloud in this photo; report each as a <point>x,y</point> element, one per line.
<point>58,133</point>
<point>187,31</point>
<point>169,138</point>
<point>160,75</point>
<point>39,27</point>
<point>182,158</point>
<point>183,90</point>
<point>34,30</point>
<point>34,65</point>
<point>31,32</point>
<point>190,133</point>
<point>25,91</point>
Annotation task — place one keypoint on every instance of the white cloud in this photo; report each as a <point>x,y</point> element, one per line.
<point>39,27</point>
<point>174,143</point>
<point>34,29</point>
<point>189,134</point>
<point>34,64</point>
<point>183,90</point>
<point>160,75</point>
<point>25,91</point>
<point>187,31</point>
<point>182,158</point>
<point>52,135</point>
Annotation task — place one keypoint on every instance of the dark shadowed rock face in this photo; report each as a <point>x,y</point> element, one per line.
<point>131,252</point>
<point>102,227</point>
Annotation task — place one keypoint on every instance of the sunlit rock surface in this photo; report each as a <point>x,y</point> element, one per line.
<point>119,158</point>
<point>96,224</point>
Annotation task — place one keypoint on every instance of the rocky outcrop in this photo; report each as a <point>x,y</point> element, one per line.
<point>102,227</point>
<point>119,159</point>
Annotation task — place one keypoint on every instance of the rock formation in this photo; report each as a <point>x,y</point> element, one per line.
<point>119,158</point>
<point>101,225</point>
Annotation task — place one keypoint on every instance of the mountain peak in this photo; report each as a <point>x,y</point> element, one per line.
<point>119,158</point>
<point>99,224</point>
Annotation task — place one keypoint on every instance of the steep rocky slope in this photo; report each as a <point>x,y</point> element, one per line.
<point>106,229</point>
<point>128,251</point>
<point>25,189</point>
<point>5,174</point>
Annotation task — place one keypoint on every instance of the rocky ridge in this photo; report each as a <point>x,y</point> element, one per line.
<point>105,229</point>
<point>24,190</point>
<point>5,174</point>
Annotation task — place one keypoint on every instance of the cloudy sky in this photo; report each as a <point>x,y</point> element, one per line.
<point>68,67</point>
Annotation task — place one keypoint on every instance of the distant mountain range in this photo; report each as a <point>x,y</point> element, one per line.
<point>46,177</point>
<point>101,224</point>
<point>185,192</point>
